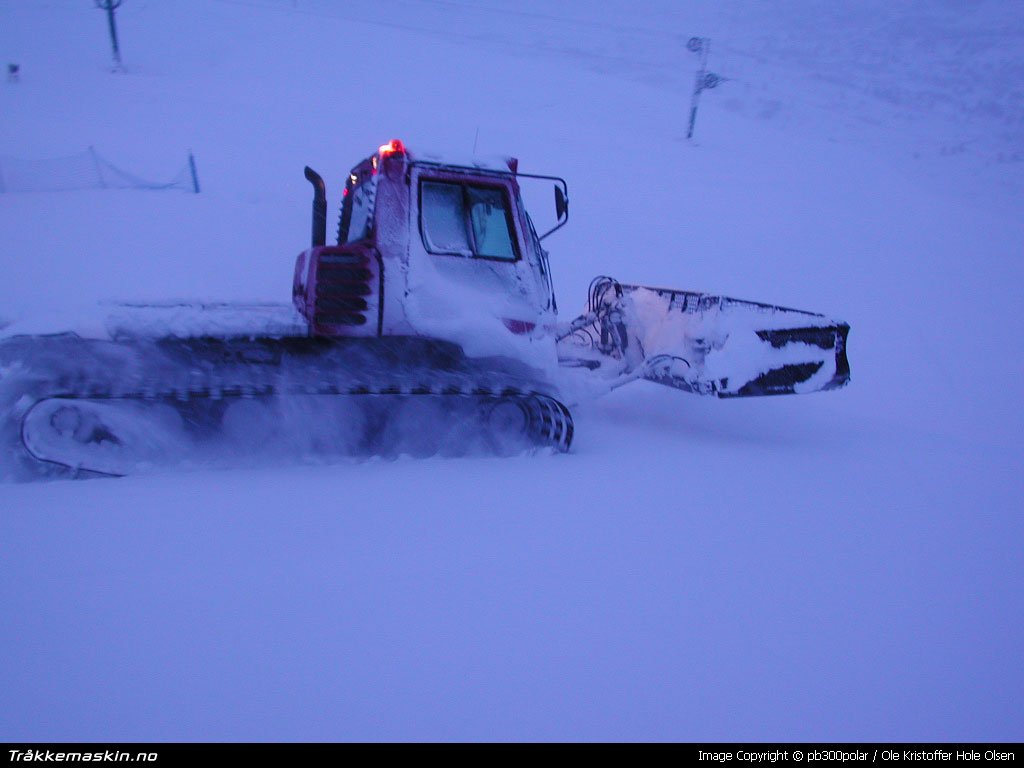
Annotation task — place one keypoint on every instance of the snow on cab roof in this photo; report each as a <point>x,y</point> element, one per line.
<point>492,162</point>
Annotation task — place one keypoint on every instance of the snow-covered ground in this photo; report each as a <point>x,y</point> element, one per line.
<point>833,566</point>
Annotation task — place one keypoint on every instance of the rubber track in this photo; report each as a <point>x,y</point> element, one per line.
<point>550,423</point>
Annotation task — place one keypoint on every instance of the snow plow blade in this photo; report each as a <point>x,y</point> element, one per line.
<point>707,345</point>
<point>714,345</point>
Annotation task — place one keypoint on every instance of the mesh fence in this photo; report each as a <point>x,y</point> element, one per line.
<point>86,170</point>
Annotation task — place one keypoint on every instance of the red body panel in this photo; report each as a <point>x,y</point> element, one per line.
<point>339,289</point>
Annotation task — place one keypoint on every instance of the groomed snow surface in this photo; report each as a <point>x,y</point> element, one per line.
<point>843,565</point>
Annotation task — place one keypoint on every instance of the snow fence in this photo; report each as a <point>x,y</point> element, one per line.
<point>86,170</point>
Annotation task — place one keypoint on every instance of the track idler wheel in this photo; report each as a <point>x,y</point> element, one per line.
<point>100,436</point>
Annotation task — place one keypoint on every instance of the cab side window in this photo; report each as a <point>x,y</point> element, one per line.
<point>444,219</point>
<point>467,220</point>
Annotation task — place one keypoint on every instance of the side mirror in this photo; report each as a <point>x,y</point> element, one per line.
<point>561,200</point>
<point>561,203</point>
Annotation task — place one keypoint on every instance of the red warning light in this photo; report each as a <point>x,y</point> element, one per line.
<point>393,147</point>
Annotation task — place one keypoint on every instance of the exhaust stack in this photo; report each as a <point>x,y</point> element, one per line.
<point>319,206</point>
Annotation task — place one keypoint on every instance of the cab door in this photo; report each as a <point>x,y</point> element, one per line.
<point>470,255</point>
